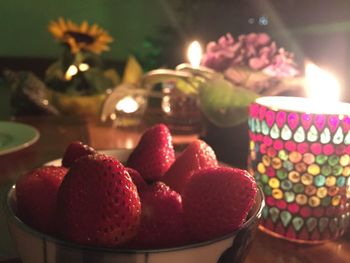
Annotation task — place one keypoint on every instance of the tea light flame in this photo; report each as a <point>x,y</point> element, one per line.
<point>127,105</point>
<point>71,71</point>
<point>84,67</point>
<point>321,84</point>
<point>322,87</point>
<point>194,54</point>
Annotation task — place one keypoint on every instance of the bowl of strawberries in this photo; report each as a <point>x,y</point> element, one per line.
<point>147,204</point>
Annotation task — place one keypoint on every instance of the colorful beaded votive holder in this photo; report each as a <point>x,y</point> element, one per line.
<point>301,160</point>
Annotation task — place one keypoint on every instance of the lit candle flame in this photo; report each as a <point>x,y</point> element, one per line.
<point>322,88</point>
<point>321,85</point>
<point>71,71</point>
<point>127,105</point>
<point>83,67</point>
<point>194,54</point>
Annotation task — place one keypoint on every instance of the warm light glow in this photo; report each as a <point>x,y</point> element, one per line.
<point>71,71</point>
<point>127,105</point>
<point>83,67</point>
<point>194,54</point>
<point>321,85</point>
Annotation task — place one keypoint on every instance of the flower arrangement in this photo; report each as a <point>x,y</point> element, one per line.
<point>80,71</point>
<point>77,83</point>
<point>252,61</point>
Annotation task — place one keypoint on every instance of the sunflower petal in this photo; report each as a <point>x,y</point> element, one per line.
<point>105,38</point>
<point>62,24</point>
<point>84,27</point>
<point>56,32</point>
<point>72,26</point>
<point>93,30</point>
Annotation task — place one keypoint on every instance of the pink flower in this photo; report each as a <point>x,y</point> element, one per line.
<point>255,50</point>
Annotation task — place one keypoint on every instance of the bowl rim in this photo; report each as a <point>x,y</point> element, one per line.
<point>10,214</point>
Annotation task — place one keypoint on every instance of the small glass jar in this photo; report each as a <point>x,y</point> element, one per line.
<point>180,111</point>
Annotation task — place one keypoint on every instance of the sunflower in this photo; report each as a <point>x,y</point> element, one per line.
<point>84,37</point>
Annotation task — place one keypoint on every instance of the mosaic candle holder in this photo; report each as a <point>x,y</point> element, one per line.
<point>301,160</point>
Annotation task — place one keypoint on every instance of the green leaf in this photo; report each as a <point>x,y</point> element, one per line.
<point>223,103</point>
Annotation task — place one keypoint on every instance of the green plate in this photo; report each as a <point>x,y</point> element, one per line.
<point>15,136</point>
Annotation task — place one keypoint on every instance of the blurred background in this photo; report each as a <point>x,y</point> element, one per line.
<point>158,32</point>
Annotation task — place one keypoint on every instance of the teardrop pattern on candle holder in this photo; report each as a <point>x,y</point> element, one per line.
<point>250,124</point>
<point>312,134</point>
<point>347,138</point>
<point>264,128</point>
<point>320,121</point>
<point>325,136</point>
<point>306,120</point>
<point>265,212</point>
<point>333,123</point>
<point>286,217</point>
<point>254,110</point>
<point>338,136</point>
<point>286,133</point>
<point>298,223</point>
<point>274,212</point>
<point>281,118</point>
<point>346,124</point>
<point>257,126</point>
<point>311,224</point>
<point>270,117</point>
<point>299,135</point>
<point>293,120</point>
<point>323,223</point>
<point>262,112</point>
<point>275,132</point>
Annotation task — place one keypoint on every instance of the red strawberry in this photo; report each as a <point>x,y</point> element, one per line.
<point>161,220</point>
<point>154,153</point>
<point>36,195</point>
<point>197,155</point>
<point>136,179</point>
<point>98,203</point>
<point>217,200</point>
<point>74,151</point>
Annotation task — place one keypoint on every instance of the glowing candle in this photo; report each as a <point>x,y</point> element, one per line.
<point>71,71</point>
<point>83,66</point>
<point>300,156</point>
<point>127,105</point>
<point>194,54</point>
<point>322,88</point>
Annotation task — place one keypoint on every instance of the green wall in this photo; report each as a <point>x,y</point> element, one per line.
<point>23,24</point>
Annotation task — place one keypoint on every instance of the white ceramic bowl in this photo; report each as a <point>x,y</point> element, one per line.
<point>36,247</point>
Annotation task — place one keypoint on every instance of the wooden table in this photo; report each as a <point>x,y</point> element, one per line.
<point>56,133</point>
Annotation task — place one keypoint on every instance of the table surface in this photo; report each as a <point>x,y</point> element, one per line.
<point>57,132</point>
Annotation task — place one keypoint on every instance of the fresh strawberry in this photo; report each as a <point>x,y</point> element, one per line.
<point>74,151</point>
<point>136,179</point>
<point>98,203</point>
<point>217,200</point>
<point>36,194</point>
<point>197,155</point>
<point>154,153</point>
<point>162,222</point>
